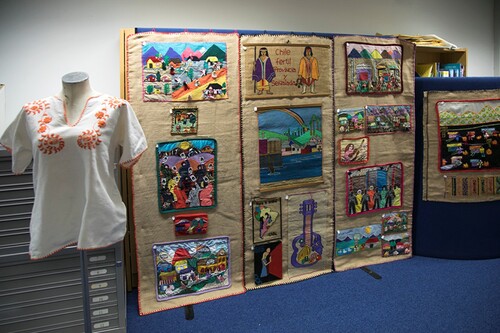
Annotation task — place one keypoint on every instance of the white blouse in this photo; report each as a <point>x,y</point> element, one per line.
<point>77,200</point>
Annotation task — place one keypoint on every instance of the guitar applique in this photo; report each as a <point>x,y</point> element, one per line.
<point>307,247</point>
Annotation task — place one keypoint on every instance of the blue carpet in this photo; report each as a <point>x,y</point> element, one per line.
<point>421,294</point>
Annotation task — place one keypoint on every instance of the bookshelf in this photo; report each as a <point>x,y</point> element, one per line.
<point>432,55</point>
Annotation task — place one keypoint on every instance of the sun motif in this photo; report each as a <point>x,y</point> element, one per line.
<point>36,107</point>
<point>50,143</point>
<point>89,139</point>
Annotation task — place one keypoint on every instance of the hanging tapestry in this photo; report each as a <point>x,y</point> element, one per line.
<point>186,181</point>
<point>290,145</point>
<point>187,267</point>
<point>462,146</point>
<point>287,133</point>
<point>267,223</point>
<point>184,121</point>
<point>374,97</point>
<point>268,259</point>
<point>186,174</point>
<point>184,71</point>
<point>351,120</point>
<point>284,69</point>
<point>373,68</point>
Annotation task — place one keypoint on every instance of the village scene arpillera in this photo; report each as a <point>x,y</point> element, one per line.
<point>184,71</point>
<point>373,68</point>
<point>191,266</point>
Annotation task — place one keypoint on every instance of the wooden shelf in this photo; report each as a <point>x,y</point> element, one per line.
<point>426,55</point>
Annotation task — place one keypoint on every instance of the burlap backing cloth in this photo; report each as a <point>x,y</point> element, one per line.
<point>285,52</point>
<point>217,119</point>
<point>383,149</point>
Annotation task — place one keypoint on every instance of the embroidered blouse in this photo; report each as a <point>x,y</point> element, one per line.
<point>77,200</point>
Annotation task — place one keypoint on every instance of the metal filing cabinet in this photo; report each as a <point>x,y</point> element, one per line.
<point>70,291</point>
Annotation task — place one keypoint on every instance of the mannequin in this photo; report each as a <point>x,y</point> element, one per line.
<point>71,140</point>
<point>75,94</point>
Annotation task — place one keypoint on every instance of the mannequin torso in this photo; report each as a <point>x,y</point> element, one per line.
<point>75,94</point>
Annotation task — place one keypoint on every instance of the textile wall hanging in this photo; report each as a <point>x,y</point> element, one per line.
<point>374,133</point>
<point>461,146</point>
<point>185,91</point>
<point>287,132</point>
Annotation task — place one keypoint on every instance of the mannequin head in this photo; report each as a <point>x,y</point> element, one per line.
<point>75,77</point>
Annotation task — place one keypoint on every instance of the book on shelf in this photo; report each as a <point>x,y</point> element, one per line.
<point>439,70</point>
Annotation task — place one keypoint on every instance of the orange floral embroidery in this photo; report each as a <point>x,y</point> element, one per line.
<point>89,139</point>
<point>50,143</point>
<point>114,102</point>
<point>36,107</point>
<point>42,129</point>
<point>101,116</point>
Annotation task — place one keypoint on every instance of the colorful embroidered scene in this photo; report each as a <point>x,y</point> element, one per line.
<point>374,188</point>
<point>184,71</point>
<point>469,135</point>
<point>186,174</point>
<point>267,225</point>
<point>382,119</point>
<point>354,151</point>
<point>285,70</point>
<point>351,120</point>
<point>184,121</point>
<point>395,236</point>
<point>188,224</point>
<point>268,262</point>
<point>307,247</point>
<point>350,241</point>
<point>373,68</point>
<point>396,244</point>
<point>188,267</point>
<point>290,144</point>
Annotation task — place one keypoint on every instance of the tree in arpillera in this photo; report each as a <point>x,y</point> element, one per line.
<point>149,89</point>
<point>190,74</point>
<point>166,88</point>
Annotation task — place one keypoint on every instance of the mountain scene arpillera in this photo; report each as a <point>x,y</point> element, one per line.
<point>184,71</point>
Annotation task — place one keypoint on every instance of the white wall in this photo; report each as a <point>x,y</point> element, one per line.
<point>41,40</point>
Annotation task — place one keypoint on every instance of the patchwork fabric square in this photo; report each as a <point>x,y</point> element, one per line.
<point>186,174</point>
<point>191,267</point>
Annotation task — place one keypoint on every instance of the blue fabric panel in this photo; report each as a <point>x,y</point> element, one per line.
<point>452,230</point>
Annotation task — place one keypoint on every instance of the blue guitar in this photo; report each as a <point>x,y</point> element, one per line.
<point>307,247</point>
